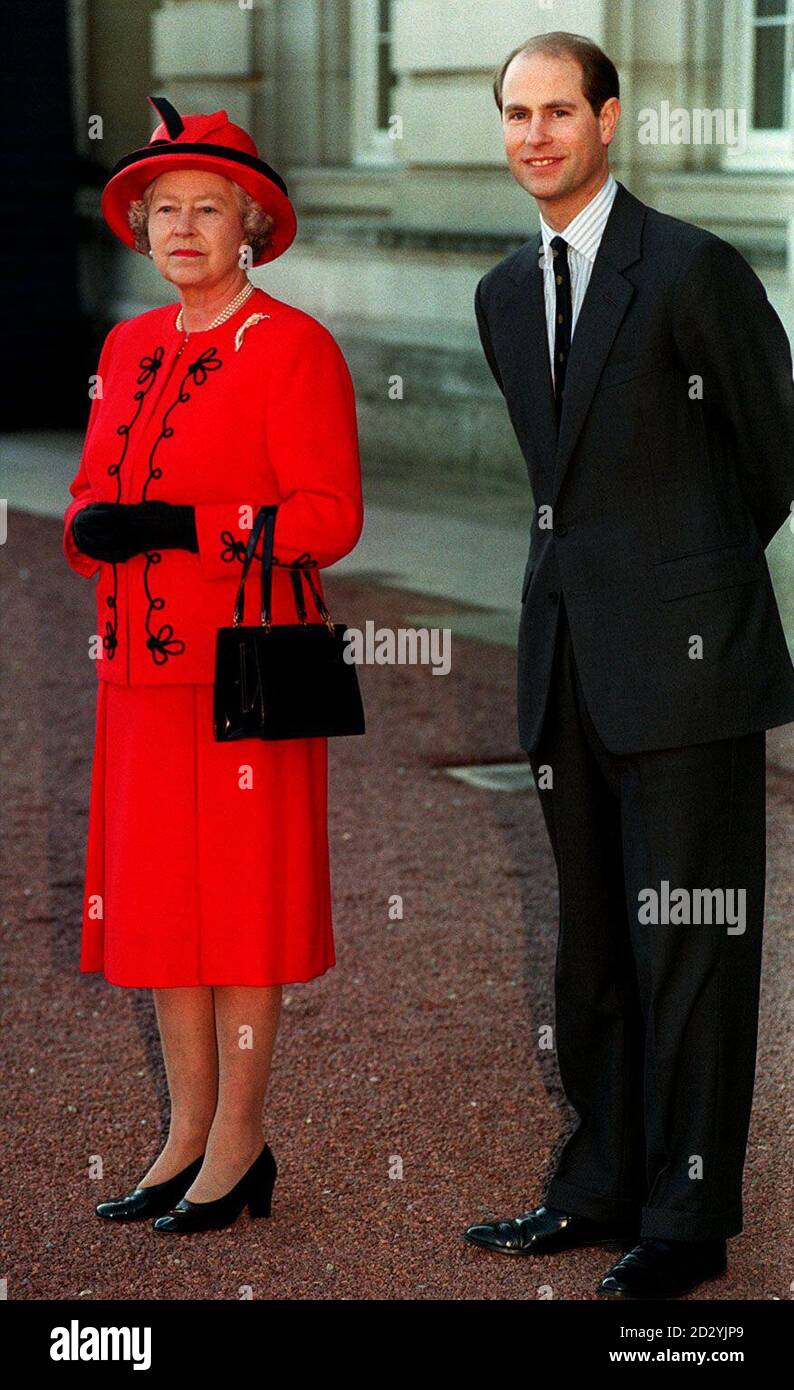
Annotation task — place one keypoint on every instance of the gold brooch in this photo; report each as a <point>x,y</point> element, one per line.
<point>238,337</point>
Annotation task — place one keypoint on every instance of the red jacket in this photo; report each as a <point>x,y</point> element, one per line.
<point>196,420</point>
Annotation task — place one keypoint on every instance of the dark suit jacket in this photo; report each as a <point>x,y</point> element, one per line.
<point>663,504</point>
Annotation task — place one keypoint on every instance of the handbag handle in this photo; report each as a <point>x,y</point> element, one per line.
<point>266,517</point>
<point>239,604</point>
<point>302,569</point>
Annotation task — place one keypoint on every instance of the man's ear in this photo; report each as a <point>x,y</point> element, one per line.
<point>609,116</point>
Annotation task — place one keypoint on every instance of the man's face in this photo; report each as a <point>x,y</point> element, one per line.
<point>556,146</point>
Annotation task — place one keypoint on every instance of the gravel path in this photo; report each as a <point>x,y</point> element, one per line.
<point>409,1096</point>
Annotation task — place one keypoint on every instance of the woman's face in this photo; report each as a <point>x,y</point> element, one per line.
<point>195,228</point>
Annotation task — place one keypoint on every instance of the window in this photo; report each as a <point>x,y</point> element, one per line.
<point>772,26</point>
<point>759,53</point>
<point>374,80</point>
<point>385,78</point>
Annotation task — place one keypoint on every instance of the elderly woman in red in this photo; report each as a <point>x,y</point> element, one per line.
<point>207,865</point>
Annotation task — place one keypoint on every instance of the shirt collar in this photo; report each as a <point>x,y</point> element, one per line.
<point>585,230</point>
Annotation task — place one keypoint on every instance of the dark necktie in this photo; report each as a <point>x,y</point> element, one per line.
<point>563,315</point>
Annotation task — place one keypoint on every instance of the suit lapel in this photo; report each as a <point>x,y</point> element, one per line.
<point>606,300</point>
<point>526,313</point>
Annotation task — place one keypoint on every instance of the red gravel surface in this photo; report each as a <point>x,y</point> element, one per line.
<point>409,1095</point>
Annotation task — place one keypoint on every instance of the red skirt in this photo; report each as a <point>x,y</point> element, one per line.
<point>207,863</point>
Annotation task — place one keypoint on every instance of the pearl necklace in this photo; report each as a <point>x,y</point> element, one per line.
<point>231,308</point>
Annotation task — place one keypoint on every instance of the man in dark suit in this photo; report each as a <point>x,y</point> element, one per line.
<point>649,383</point>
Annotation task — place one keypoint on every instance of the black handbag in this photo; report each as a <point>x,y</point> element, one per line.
<point>283,680</point>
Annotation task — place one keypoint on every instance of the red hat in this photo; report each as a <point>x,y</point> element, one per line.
<point>209,142</point>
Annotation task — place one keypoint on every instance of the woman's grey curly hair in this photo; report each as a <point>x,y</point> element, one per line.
<point>257,224</point>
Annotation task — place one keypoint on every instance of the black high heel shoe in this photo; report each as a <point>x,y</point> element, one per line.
<point>255,1189</point>
<point>143,1202</point>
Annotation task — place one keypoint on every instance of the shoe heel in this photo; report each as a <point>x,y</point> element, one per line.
<point>259,1205</point>
<point>263,1177</point>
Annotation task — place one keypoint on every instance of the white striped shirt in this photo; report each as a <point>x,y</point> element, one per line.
<point>583,234</point>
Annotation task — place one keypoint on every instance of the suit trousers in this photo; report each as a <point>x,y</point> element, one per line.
<point>656,994</point>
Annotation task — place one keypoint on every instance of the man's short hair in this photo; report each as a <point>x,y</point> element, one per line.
<point>600,79</point>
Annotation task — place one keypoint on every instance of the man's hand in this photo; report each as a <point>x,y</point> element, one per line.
<point>115,531</point>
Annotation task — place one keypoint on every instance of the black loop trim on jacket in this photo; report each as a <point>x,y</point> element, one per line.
<point>232,548</point>
<point>162,644</point>
<point>110,641</point>
<point>147,375</point>
<point>304,561</point>
<point>209,361</point>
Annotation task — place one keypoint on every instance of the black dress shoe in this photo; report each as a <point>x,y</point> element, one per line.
<point>664,1268</point>
<point>545,1231</point>
<point>254,1188</point>
<point>151,1201</point>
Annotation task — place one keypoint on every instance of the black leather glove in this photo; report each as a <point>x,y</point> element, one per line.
<point>114,531</point>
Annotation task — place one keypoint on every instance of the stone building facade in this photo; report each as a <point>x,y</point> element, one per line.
<point>379,114</point>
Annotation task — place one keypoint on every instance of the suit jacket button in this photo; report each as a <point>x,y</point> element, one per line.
<point>554,595</point>
<point>560,529</point>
